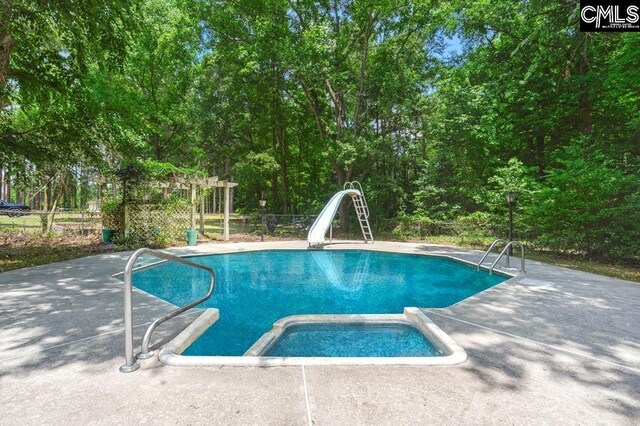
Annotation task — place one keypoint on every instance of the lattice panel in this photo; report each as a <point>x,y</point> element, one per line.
<point>113,220</point>
<point>150,222</point>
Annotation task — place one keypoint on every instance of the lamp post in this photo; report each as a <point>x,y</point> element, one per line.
<point>263,203</point>
<point>511,199</point>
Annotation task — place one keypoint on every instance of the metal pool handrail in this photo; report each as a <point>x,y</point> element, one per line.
<point>130,364</point>
<point>504,250</point>
<point>493,244</point>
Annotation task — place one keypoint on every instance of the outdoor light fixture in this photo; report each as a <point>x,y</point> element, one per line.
<point>511,197</point>
<point>262,203</point>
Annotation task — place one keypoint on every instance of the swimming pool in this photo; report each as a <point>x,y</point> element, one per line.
<point>255,289</point>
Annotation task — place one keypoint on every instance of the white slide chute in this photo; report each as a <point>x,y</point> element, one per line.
<point>322,224</point>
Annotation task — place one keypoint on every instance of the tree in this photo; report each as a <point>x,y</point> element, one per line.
<point>45,51</point>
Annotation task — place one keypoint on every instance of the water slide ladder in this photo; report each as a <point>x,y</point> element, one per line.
<point>362,269</point>
<point>362,210</point>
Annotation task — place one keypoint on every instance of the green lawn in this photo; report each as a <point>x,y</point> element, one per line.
<point>32,223</point>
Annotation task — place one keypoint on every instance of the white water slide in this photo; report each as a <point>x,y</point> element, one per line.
<point>322,224</point>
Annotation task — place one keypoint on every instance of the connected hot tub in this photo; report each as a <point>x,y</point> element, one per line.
<point>392,339</point>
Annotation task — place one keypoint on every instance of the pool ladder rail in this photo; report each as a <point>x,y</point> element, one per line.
<point>362,210</point>
<point>130,364</point>
<point>502,253</point>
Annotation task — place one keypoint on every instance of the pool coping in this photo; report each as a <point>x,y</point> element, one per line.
<point>171,353</point>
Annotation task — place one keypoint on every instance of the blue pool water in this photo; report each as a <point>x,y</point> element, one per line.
<point>352,340</point>
<point>255,289</point>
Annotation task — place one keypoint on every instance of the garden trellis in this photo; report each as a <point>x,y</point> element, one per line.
<point>141,220</point>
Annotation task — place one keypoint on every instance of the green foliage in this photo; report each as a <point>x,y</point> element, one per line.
<point>162,171</point>
<point>588,205</point>
<point>47,50</point>
<point>111,205</point>
<point>292,99</point>
<point>514,177</point>
<point>173,203</point>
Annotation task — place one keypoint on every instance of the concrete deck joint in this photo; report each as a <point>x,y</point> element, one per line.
<point>306,397</point>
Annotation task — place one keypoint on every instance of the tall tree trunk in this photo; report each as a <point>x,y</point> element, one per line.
<point>8,184</point>
<point>84,189</point>
<point>283,168</point>
<point>274,191</point>
<point>7,44</point>
<point>157,149</point>
<point>45,205</point>
<point>344,206</point>
<point>231,193</point>
<point>540,155</point>
<point>585,102</point>
<point>357,115</point>
<point>52,196</point>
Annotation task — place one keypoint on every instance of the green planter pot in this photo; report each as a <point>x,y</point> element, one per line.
<point>192,237</point>
<point>107,235</point>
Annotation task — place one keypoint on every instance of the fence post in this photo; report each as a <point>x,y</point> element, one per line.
<point>226,211</point>
<point>126,221</point>
<point>202,214</point>
<point>193,206</point>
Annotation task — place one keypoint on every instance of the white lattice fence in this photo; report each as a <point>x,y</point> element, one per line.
<point>149,222</point>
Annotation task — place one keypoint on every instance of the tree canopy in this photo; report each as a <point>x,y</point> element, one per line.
<point>437,107</point>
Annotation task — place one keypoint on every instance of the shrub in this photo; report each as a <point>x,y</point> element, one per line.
<point>588,205</point>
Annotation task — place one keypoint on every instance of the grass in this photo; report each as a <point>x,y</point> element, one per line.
<point>22,244</point>
<point>75,221</point>
<point>625,270</point>
<point>32,223</point>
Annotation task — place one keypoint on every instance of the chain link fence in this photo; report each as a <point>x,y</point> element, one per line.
<point>82,222</point>
<point>65,222</point>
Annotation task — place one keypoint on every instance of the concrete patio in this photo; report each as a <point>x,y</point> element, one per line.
<point>550,346</point>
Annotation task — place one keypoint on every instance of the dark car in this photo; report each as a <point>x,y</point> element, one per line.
<point>13,210</point>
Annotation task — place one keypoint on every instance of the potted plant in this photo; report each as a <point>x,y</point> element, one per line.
<point>192,237</point>
<point>110,207</point>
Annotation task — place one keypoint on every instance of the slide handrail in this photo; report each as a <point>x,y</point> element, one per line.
<point>358,187</point>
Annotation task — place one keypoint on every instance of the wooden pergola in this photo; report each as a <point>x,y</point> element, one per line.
<point>203,184</point>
